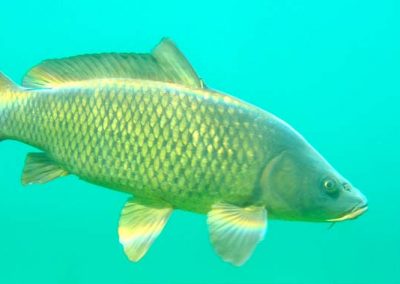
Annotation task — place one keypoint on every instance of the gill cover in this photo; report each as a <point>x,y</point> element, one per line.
<point>294,187</point>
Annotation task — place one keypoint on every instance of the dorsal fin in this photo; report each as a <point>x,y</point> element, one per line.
<point>166,63</point>
<point>6,83</point>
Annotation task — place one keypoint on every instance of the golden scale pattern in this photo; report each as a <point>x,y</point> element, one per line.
<point>155,141</point>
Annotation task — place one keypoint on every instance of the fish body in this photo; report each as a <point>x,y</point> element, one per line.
<point>148,126</point>
<point>190,148</point>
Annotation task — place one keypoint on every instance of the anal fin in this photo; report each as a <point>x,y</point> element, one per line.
<point>236,231</point>
<point>140,224</point>
<point>39,169</point>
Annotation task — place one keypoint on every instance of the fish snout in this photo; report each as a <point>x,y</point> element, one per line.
<point>357,210</point>
<point>363,203</point>
<point>360,208</point>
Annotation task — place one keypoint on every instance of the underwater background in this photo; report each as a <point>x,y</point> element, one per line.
<point>329,68</point>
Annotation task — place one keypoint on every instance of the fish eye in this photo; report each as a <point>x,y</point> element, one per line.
<point>329,185</point>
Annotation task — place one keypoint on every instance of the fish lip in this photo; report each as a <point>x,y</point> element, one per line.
<point>352,214</point>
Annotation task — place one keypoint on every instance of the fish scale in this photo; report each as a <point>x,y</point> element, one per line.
<point>152,139</point>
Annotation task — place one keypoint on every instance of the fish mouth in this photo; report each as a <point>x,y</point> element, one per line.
<point>354,213</point>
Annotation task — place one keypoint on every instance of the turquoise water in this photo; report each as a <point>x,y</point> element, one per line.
<point>330,69</point>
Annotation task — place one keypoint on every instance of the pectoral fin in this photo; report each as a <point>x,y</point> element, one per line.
<point>39,169</point>
<point>139,226</point>
<point>235,231</point>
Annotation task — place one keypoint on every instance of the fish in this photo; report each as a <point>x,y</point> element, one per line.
<point>147,125</point>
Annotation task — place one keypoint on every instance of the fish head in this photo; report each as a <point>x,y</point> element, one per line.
<point>299,184</point>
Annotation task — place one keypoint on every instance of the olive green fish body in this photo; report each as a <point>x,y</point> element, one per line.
<point>146,124</point>
<point>189,148</point>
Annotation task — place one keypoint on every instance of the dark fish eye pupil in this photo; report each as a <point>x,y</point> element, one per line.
<point>329,185</point>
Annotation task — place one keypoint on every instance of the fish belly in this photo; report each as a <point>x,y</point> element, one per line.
<point>189,148</point>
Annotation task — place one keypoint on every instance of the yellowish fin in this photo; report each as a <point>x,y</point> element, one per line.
<point>166,63</point>
<point>139,227</point>
<point>236,231</point>
<point>7,86</point>
<point>39,169</point>
<point>6,83</point>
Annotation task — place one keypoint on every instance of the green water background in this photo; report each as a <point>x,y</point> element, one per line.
<point>329,68</point>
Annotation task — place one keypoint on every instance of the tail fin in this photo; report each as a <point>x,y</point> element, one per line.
<point>6,88</point>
